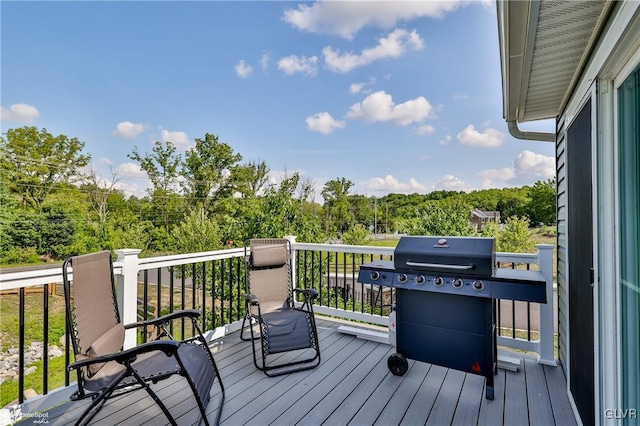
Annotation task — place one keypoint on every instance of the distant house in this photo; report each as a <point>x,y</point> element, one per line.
<point>479,218</point>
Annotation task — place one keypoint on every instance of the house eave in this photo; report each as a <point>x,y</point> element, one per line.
<point>544,46</point>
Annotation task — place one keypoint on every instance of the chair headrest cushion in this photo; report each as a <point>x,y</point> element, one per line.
<point>268,256</point>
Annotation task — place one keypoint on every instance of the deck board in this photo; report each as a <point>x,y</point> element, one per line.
<point>423,401</point>
<point>538,394</point>
<point>352,386</point>
<point>399,402</point>
<point>471,397</point>
<point>445,405</point>
<point>515,399</point>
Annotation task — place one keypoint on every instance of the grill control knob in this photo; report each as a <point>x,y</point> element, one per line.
<point>402,278</point>
<point>420,279</point>
<point>457,283</point>
<point>437,281</point>
<point>478,285</point>
<point>375,275</point>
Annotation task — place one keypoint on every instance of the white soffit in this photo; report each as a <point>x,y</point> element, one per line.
<point>547,43</point>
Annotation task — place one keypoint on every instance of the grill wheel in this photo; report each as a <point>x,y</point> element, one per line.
<point>397,364</point>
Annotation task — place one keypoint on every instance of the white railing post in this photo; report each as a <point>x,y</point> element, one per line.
<point>546,351</point>
<point>292,241</point>
<point>128,292</point>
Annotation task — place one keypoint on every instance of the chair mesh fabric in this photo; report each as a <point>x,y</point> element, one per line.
<point>158,364</point>
<point>271,287</point>
<point>92,273</point>
<point>286,330</point>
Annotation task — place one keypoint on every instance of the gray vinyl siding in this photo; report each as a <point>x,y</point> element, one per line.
<point>561,203</point>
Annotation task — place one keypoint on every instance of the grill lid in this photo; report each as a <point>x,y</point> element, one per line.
<point>462,256</point>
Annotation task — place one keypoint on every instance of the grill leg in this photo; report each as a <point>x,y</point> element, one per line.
<point>489,392</point>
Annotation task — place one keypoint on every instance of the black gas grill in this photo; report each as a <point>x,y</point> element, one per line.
<point>446,289</point>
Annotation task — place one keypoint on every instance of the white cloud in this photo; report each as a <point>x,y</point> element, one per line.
<point>105,161</point>
<point>21,113</point>
<point>452,183</point>
<point>526,167</point>
<point>460,96</point>
<point>379,106</point>
<point>298,64</point>
<point>127,129</point>
<point>130,170</point>
<point>445,140</point>
<point>243,70</point>
<point>391,184</point>
<point>179,139</point>
<point>534,166</point>
<point>425,129</point>
<point>346,18</point>
<point>394,45</point>
<point>488,138</point>
<point>355,87</point>
<point>264,61</point>
<point>489,177</point>
<point>323,122</point>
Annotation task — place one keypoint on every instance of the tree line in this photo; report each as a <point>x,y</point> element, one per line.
<point>53,203</point>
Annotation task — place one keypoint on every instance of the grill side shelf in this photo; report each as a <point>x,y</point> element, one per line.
<point>523,285</point>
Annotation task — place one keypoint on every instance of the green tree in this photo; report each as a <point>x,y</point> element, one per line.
<point>446,217</point>
<point>34,162</point>
<point>362,209</point>
<point>356,235</point>
<point>542,202</point>
<point>515,237</point>
<point>513,203</point>
<point>57,231</point>
<point>99,192</point>
<point>196,234</point>
<point>279,213</point>
<point>161,167</point>
<point>251,178</point>
<point>134,235</point>
<point>208,169</point>
<point>335,194</point>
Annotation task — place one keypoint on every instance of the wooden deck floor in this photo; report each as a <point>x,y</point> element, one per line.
<point>352,386</point>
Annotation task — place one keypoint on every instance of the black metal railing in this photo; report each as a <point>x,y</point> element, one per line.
<point>214,284</point>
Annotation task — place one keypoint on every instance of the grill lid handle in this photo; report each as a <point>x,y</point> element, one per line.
<point>441,266</point>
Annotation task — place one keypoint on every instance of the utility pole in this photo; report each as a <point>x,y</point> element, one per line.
<point>375,216</point>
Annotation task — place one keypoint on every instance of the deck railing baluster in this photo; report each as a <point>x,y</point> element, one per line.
<point>21,348</point>
<point>45,340</point>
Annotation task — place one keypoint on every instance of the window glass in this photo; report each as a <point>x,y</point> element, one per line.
<point>629,201</point>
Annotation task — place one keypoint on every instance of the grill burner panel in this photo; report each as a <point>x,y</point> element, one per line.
<point>445,301</point>
<point>512,284</point>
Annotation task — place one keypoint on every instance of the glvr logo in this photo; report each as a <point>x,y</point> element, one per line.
<point>618,413</point>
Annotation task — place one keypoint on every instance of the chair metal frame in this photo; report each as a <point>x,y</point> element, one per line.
<point>254,315</point>
<point>128,379</point>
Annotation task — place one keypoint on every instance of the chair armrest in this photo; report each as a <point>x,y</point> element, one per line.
<point>251,299</point>
<point>169,347</point>
<point>190,313</point>
<point>309,293</point>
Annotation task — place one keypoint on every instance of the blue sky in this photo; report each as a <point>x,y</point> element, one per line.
<point>395,96</point>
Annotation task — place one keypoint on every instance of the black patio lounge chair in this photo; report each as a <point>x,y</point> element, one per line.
<point>103,368</point>
<point>270,307</point>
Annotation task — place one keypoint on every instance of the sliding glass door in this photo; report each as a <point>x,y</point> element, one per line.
<point>629,238</point>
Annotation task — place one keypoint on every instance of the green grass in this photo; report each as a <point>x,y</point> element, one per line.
<point>33,330</point>
<point>34,319</point>
<point>383,243</point>
<point>9,389</point>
